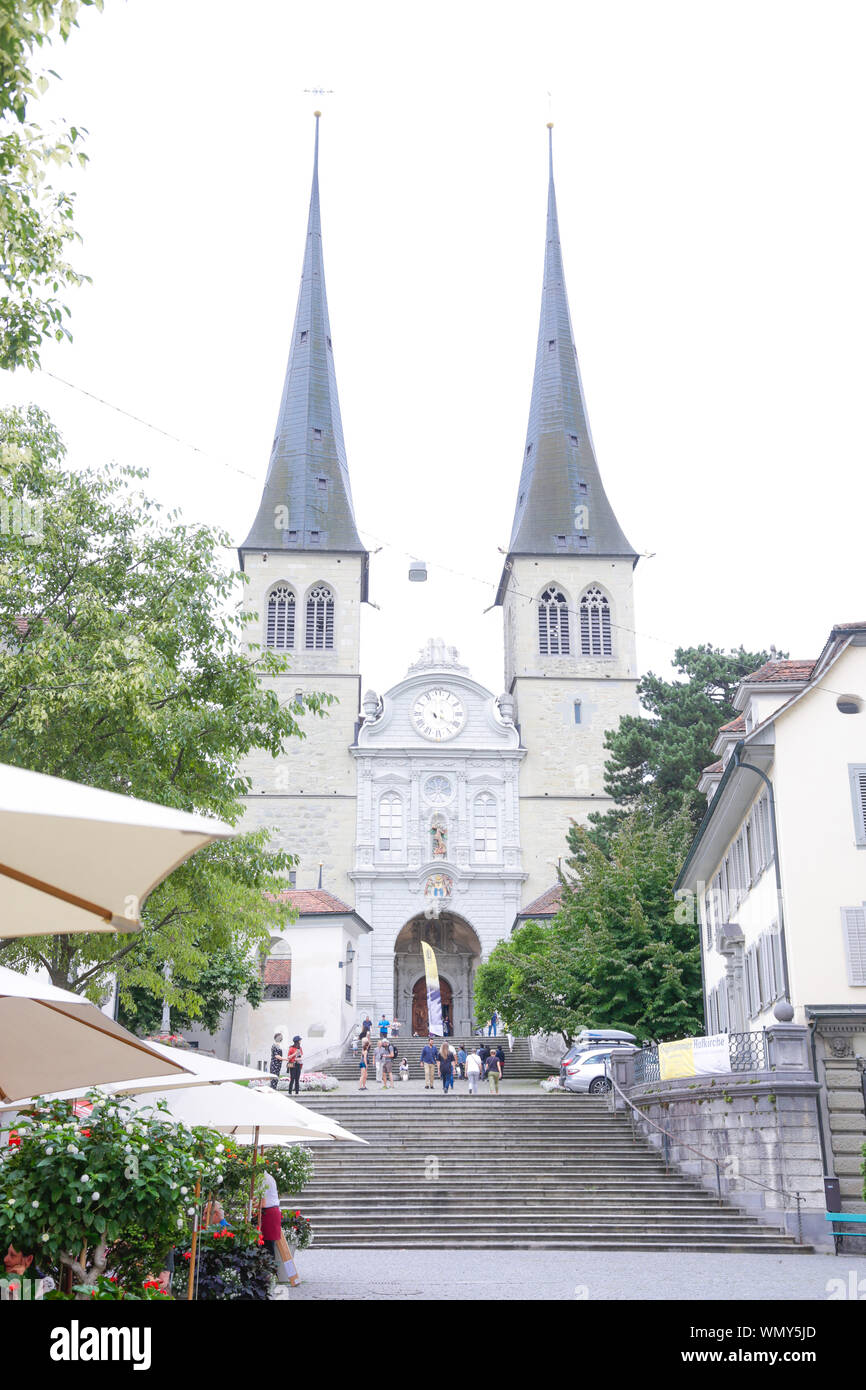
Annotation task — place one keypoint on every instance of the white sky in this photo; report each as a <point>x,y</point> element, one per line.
<point>709,162</point>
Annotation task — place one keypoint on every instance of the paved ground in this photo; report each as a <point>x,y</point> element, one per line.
<point>397,1275</point>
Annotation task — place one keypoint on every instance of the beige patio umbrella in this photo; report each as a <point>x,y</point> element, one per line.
<point>52,1040</point>
<point>74,858</point>
<point>201,1070</point>
<point>244,1111</point>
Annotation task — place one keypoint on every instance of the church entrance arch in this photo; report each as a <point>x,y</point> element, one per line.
<point>458,953</point>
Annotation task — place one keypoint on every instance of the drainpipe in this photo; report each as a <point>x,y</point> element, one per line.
<point>750,767</point>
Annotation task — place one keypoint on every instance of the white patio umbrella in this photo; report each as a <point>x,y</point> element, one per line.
<point>242,1111</point>
<point>52,1040</point>
<point>74,858</point>
<point>201,1070</point>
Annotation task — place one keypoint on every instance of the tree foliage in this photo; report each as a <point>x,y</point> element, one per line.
<point>35,216</point>
<point>122,667</point>
<point>615,956</point>
<point>657,758</point>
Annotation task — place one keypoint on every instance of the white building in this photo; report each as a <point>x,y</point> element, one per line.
<point>778,869</point>
<point>439,791</point>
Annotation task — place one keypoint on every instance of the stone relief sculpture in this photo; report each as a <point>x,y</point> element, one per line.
<point>439,837</point>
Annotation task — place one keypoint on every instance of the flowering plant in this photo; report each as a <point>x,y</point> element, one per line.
<point>232,1265</point>
<point>313,1081</point>
<point>298,1229</point>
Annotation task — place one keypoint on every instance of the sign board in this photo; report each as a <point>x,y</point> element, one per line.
<point>694,1057</point>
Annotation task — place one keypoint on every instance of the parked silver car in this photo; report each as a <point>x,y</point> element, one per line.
<point>583,1066</point>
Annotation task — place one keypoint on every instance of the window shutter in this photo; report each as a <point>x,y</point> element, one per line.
<point>724,1022</point>
<point>854,926</point>
<point>778,972</point>
<point>858,796</point>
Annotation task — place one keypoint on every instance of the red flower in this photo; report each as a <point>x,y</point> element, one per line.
<point>297,1213</point>
<point>85,1132</point>
<point>187,1255</point>
<point>14,1140</point>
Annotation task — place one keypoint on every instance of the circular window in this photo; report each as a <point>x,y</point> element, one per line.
<point>438,791</point>
<point>849,704</point>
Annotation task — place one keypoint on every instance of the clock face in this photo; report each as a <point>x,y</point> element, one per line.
<point>438,715</point>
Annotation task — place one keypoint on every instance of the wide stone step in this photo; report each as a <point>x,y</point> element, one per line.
<point>724,1246</point>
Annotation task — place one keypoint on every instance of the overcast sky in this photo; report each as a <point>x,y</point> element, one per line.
<point>709,167</point>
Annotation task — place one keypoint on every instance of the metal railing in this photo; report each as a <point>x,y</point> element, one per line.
<point>748,1052</point>
<point>668,1138</point>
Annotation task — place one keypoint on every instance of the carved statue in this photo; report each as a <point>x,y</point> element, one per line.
<point>440,840</point>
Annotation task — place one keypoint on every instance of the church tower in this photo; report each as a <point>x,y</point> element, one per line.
<point>307,578</point>
<point>566,594</point>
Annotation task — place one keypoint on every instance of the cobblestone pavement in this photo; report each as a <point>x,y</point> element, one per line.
<point>399,1275</point>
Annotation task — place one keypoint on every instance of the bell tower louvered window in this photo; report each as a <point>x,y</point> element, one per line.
<point>553,624</point>
<point>595,639</point>
<point>320,619</point>
<point>281,618</point>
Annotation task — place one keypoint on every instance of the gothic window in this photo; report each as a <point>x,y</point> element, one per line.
<point>553,623</point>
<point>281,618</point>
<point>485,829</point>
<point>595,639</point>
<point>391,827</point>
<point>320,619</point>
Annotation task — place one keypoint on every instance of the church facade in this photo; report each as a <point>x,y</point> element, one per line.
<point>438,810</point>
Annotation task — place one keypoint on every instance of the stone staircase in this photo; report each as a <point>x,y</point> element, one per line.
<point>518,1062</point>
<point>524,1171</point>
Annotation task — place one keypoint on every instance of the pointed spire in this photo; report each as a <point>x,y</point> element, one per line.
<point>561,504</point>
<point>307,498</point>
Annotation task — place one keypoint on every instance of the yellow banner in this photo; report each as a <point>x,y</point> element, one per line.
<point>676,1059</point>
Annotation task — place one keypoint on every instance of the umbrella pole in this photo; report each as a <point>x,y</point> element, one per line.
<point>194,1248</point>
<point>253,1177</point>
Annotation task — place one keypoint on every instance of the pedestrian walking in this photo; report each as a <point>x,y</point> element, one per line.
<point>383,1064</point>
<point>277,1059</point>
<point>384,1025</point>
<point>362,1065</point>
<point>474,1068</point>
<point>493,1072</point>
<point>491,1029</point>
<point>484,1053</point>
<point>404,1069</point>
<point>461,1060</point>
<point>296,1060</point>
<point>500,1053</point>
<point>367,1025</point>
<point>428,1060</point>
<point>446,1068</point>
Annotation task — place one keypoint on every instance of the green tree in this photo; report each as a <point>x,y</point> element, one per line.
<point>657,758</point>
<point>35,217</point>
<point>229,975</point>
<point>122,666</point>
<point>615,956</point>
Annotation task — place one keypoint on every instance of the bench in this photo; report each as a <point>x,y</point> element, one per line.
<point>843,1218</point>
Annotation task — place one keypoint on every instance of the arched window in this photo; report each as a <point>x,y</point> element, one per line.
<point>280,631</point>
<point>277,974</point>
<point>320,619</point>
<point>486,851</point>
<point>595,624</point>
<point>553,623</point>
<point>391,827</point>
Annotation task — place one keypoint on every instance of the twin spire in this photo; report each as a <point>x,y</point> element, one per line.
<point>561,503</point>
<point>307,499</point>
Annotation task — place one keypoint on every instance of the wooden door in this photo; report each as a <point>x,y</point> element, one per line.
<point>419,1004</point>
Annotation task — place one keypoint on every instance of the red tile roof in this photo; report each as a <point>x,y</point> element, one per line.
<point>545,906</point>
<point>278,971</point>
<point>310,901</point>
<point>713,767</point>
<point>734,726</point>
<point>780,672</point>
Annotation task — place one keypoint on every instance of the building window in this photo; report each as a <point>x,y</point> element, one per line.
<point>281,618</point>
<point>577,711</point>
<point>553,624</point>
<point>485,829</point>
<point>391,827</point>
<point>320,619</point>
<point>277,972</point>
<point>854,927</point>
<point>317,434</point>
<point>595,639</point>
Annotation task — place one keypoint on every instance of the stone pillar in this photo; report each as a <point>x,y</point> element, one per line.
<point>622,1072</point>
<point>788,1047</point>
